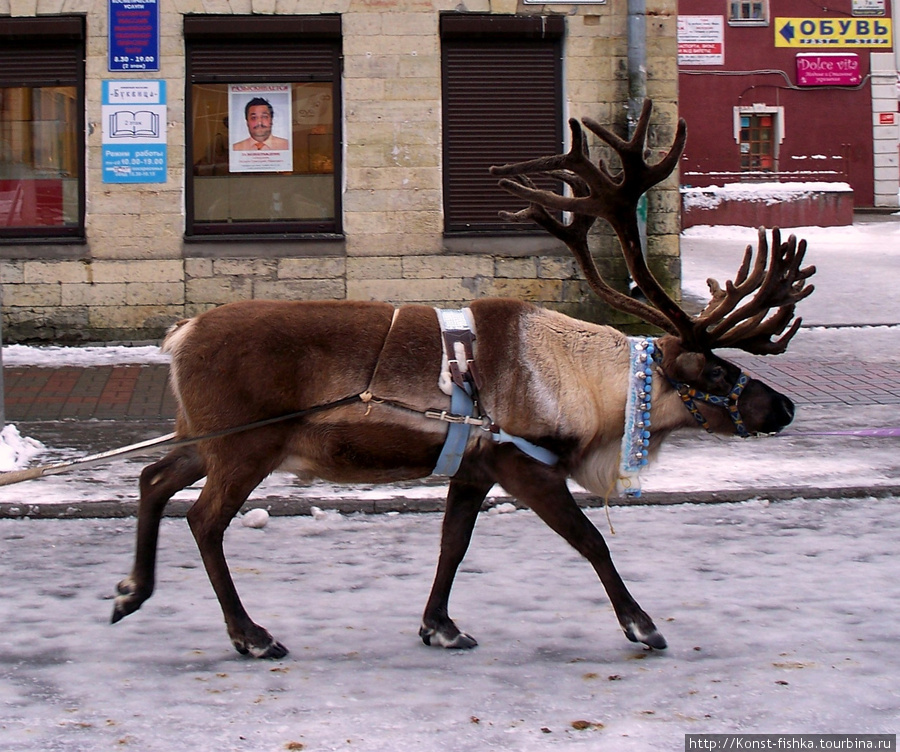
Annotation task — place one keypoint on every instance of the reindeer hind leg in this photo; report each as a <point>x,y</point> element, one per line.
<point>222,496</point>
<point>159,482</point>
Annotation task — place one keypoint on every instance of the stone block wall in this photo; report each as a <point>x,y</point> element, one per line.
<point>136,275</point>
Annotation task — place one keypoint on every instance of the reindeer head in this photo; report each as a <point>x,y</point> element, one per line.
<point>754,312</point>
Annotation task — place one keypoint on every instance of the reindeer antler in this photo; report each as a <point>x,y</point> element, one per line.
<point>574,235</point>
<point>597,192</point>
<point>780,284</point>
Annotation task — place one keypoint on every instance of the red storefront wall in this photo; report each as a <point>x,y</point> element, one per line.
<point>827,130</point>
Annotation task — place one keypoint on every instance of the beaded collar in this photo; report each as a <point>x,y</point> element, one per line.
<point>636,438</point>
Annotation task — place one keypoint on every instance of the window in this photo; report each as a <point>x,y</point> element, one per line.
<point>748,12</point>
<point>757,143</point>
<point>42,129</point>
<point>263,107</point>
<point>502,102</point>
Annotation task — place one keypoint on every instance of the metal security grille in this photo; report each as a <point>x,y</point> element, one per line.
<point>255,62</point>
<point>41,52</point>
<point>39,65</point>
<point>255,49</point>
<point>501,103</point>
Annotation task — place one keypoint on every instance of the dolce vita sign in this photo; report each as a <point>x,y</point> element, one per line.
<point>828,69</point>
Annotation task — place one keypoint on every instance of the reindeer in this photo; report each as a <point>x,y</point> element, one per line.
<point>348,391</point>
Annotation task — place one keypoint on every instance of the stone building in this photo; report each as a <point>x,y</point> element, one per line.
<point>127,201</point>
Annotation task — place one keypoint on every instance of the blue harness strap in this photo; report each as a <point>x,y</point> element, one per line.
<point>457,434</point>
<point>463,403</point>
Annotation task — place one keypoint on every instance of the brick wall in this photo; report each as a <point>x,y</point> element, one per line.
<point>136,275</point>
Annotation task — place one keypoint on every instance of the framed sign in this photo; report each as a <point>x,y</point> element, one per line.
<point>134,132</point>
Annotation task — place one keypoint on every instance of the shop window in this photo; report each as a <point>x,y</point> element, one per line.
<point>748,12</point>
<point>502,102</point>
<point>263,107</point>
<point>41,129</point>
<point>757,142</point>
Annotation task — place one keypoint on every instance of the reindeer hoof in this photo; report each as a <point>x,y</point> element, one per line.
<point>451,639</point>
<point>650,637</point>
<point>273,650</point>
<point>260,645</point>
<point>128,601</point>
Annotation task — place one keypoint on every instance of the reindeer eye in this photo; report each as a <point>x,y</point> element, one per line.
<point>717,373</point>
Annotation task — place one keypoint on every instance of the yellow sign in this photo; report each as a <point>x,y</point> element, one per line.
<point>823,33</point>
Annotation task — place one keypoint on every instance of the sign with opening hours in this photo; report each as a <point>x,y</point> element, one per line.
<point>133,35</point>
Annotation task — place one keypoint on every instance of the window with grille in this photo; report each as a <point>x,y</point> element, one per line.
<point>757,143</point>
<point>263,111</point>
<point>42,129</point>
<point>502,102</point>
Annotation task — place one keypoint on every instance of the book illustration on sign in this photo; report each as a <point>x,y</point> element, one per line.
<point>140,124</point>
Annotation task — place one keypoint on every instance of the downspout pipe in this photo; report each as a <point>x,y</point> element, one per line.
<point>637,88</point>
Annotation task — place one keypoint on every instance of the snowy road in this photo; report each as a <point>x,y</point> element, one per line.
<point>780,617</point>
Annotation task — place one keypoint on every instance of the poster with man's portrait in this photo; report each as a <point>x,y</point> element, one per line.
<point>259,128</point>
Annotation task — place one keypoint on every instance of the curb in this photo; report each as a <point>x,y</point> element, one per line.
<point>400,504</point>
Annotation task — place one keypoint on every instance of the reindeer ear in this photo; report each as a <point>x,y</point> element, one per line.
<point>689,366</point>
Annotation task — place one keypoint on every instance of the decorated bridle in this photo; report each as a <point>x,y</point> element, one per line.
<point>729,401</point>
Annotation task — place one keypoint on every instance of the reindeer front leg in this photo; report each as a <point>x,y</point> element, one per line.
<point>544,489</point>
<point>464,501</point>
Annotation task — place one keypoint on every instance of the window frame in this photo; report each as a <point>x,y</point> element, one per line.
<point>777,128</point>
<point>482,31</point>
<point>740,20</point>
<point>209,32</point>
<point>30,35</point>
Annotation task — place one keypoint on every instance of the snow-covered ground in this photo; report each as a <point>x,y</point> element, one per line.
<point>781,617</point>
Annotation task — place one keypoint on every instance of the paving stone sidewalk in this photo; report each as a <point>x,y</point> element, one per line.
<point>141,392</point>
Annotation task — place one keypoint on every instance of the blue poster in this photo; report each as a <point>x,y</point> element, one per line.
<point>133,35</point>
<point>134,132</point>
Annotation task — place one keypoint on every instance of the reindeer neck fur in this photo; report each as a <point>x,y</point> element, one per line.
<point>564,383</point>
<point>571,386</point>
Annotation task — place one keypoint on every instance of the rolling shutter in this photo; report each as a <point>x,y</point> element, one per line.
<point>41,52</point>
<point>502,103</point>
<point>259,50</point>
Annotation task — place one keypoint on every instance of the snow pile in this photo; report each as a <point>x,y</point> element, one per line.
<point>255,518</point>
<point>16,450</point>
<point>709,197</point>
<point>81,357</point>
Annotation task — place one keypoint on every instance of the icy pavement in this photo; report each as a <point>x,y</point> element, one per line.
<point>780,617</point>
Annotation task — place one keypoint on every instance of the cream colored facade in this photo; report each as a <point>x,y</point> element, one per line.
<point>136,275</point>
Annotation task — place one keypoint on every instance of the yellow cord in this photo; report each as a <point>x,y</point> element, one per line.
<point>612,485</point>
